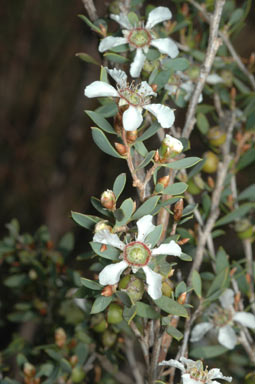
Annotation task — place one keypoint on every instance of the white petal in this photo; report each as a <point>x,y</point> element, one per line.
<point>158,15</point>
<point>154,281</point>
<point>110,275</point>
<point>106,237</point>
<point>214,79</point>
<point>122,19</point>
<point>246,319</point>
<point>137,65</point>
<point>166,46</point>
<point>227,337</point>
<point>186,379</point>
<point>100,89</point>
<point>190,363</point>
<point>200,330</point>
<point>188,87</point>
<point>171,89</point>
<point>146,89</point>
<point>215,373</point>
<point>174,144</point>
<point>145,227</point>
<point>227,298</point>
<point>119,76</point>
<point>168,249</point>
<point>173,363</point>
<point>132,118</point>
<point>111,42</point>
<point>163,114</point>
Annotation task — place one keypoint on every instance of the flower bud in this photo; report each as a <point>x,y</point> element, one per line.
<point>108,200</point>
<point>32,274</point>
<point>101,225</point>
<point>108,290</point>
<point>182,298</point>
<point>103,248</point>
<point>216,136</point>
<point>29,370</point>
<point>60,337</point>
<point>121,149</point>
<point>210,182</point>
<point>244,229</point>
<point>170,147</point>
<point>73,360</point>
<point>183,241</point>
<point>114,314</point>
<point>133,286</point>
<point>103,30</point>
<point>131,136</point>
<point>164,180</point>
<point>178,209</point>
<point>156,157</point>
<point>211,162</point>
<point>98,323</point>
<point>154,87</point>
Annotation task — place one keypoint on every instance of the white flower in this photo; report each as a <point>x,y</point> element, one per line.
<point>173,144</point>
<point>136,255</point>
<point>193,372</point>
<point>223,319</point>
<point>136,97</point>
<point>140,38</point>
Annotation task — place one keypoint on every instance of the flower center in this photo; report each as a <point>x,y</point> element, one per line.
<point>139,37</point>
<point>222,317</point>
<point>198,373</point>
<point>131,95</point>
<point>137,254</point>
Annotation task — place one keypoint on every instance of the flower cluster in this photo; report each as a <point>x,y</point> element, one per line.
<point>136,254</point>
<point>140,38</point>
<point>223,319</point>
<point>193,372</point>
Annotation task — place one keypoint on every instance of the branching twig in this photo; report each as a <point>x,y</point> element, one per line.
<point>129,350</point>
<point>214,43</point>
<point>91,9</point>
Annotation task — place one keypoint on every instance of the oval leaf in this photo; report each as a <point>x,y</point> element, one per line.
<point>103,143</point>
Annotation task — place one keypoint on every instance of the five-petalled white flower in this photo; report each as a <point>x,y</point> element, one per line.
<point>193,372</point>
<point>136,255</point>
<point>140,38</point>
<point>222,320</point>
<point>135,97</point>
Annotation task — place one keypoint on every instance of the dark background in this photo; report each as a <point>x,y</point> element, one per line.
<point>49,164</point>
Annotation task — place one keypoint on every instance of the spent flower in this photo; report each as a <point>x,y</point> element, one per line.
<point>136,254</point>
<point>135,97</point>
<point>141,37</point>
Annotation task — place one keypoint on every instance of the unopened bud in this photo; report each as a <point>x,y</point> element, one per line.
<point>183,241</point>
<point>103,30</point>
<point>29,370</point>
<point>109,290</point>
<point>210,182</point>
<point>156,157</point>
<point>170,147</point>
<point>233,93</point>
<point>121,149</point>
<point>32,274</point>
<point>182,298</point>
<point>103,248</point>
<point>108,200</point>
<point>232,272</point>
<point>74,360</point>
<point>154,87</point>
<point>60,337</point>
<point>101,225</point>
<point>164,180</point>
<point>237,300</point>
<point>178,209</point>
<point>131,136</point>
<point>185,9</point>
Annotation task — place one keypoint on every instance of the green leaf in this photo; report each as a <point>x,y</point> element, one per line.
<point>246,159</point>
<point>119,185</point>
<point>90,284</point>
<point>236,16</point>
<point>65,365</point>
<point>208,352</point>
<point>90,24</point>
<point>116,58</point>
<point>100,121</point>
<point>103,75</point>
<point>235,215</point>
<point>124,213</point>
<point>178,64</point>
<point>185,257</point>
<point>219,283</point>
<point>146,311</point>
<point>247,194</point>
<point>103,143</point>
<point>175,189</point>
<point>162,78</point>
<point>133,19</point>
<point>110,253</point>
<point>172,307</point>
<point>183,163</point>
<point>202,123</point>
<point>108,109</point>
<point>196,283</point>
<point>16,281</point>
<point>100,304</point>
<point>221,260</point>
<point>154,236</point>
<point>148,158</point>
<point>87,58</point>
<point>85,221</point>
<point>98,206</point>
<point>140,147</point>
<point>149,132</point>
<point>146,208</point>
<point>174,332</point>
<point>129,313</point>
